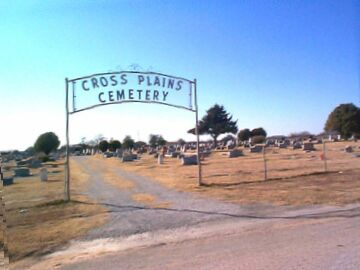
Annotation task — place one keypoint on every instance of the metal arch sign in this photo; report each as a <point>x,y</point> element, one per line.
<point>130,86</point>
<point>119,87</point>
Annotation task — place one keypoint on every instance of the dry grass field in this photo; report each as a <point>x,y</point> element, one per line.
<point>294,177</point>
<point>38,220</point>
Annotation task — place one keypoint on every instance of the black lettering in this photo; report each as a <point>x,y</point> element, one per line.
<point>131,93</point>
<point>83,85</point>
<point>148,80</point>
<point>165,95</point>
<point>100,97</point>
<point>163,81</point>
<point>114,81</point>
<point>139,91</point>
<point>103,81</point>
<point>123,79</point>
<point>156,95</point>
<point>171,83</point>
<point>120,95</point>
<point>179,83</point>
<point>111,96</point>
<point>148,94</point>
<point>157,81</point>
<point>140,79</point>
<point>94,83</point>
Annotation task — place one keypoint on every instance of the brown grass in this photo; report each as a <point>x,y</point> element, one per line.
<point>38,220</point>
<point>149,200</point>
<point>296,177</point>
<point>109,175</point>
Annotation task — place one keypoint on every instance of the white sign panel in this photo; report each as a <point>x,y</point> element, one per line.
<point>130,86</point>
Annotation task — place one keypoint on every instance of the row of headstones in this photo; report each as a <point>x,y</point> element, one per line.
<point>24,172</point>
<point>185,159</point>
<point>258,148</point>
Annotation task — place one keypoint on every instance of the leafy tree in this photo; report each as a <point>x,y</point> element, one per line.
<point>258,132</point>
<point>139,144</point>
<point>103,146</point>
<point>244,135</point>
<point>181,142</point>
<point>113,145</point>
<point>47,142</point>
<point>216,122</point>
<point>156,140</point>
<point>344,119</point>
<point>228,138</point>
<point>128,143</point>
<point>161,141</point>
<point>30,150</point>
<point>257,139</point>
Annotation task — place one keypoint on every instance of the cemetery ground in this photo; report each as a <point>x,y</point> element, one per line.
<point>294,177</point>
<point>220,225</point>
<point>38,220</point>
<point>150,205</point>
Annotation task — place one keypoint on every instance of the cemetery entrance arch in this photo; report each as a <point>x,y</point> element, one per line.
<point>102,89</point>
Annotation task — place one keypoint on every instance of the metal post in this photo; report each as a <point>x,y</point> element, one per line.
<point>67,165</point>
<point>265,165</point>
<point>197,134</point>
<point>324,156</point>
<point>3,223</point>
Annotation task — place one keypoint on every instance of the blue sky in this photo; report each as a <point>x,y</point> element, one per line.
<point>283,65</point>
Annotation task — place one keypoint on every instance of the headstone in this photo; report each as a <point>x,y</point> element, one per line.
<point>175,154</point>
<point>283,145</point>
<point>348,149</point>
<point>308,146</point>
<point>231,146</point>
<point>7,181</point>
<point>189,160</point>
<point>43,174</point>
<point>160,159</point>
<point>127,158</point>
<point>206,153</point>
<point>21,172</point>
<point>108,154</point>
<point>35,163</point>
<point>297,145</point>
<point>256,148</point>
<point>235,153</point>
<point>119,153</point>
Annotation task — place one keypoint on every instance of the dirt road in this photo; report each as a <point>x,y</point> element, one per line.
<point>197,233</point>
<point>331,244</point>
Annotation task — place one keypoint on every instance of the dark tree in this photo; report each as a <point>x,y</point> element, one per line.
<point>128,143</point>
<point>139,144</point>
<point>156,140</point>
<point>47,142</point>
<point>244,135</point>
<point>216,122</point>
<point>228,138</point>
<point>103,146</point>
<point>161,141</point>
<point>258,139</point>
<point>181,142</point>
<point>258,132</point>
<point>114,145</point>
<point>30,150</point>
<point>344,119</point>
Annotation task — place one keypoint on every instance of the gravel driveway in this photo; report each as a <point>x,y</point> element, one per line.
<point>129,217</point>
